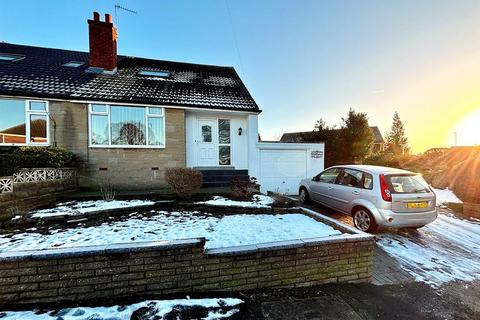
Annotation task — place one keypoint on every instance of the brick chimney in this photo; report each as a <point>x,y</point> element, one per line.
<point>103,43</point>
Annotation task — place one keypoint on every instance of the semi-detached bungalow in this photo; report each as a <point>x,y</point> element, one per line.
<point>133,117</point>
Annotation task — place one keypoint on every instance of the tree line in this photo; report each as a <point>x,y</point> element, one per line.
<point>353,140</point>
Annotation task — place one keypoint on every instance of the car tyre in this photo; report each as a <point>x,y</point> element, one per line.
<point>304,196</point>
<point>364,220</point>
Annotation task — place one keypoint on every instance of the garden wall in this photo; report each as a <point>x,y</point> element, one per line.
<point>29,195</point>
<point>182,266</point>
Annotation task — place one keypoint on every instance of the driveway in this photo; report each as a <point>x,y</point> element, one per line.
<point>446,250</point>
<point>430,273</point>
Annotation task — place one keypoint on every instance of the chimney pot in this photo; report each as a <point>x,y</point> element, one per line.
<point>96,16</point>
<point>108,18</point>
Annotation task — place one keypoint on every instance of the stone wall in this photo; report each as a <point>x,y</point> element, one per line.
<point>125,168</point>
<point>182,266</point>
<point>30,195</point>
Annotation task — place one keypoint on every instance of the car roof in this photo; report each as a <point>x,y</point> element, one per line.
<point>374,169</point>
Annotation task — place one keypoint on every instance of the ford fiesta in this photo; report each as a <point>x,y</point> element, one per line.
<point>374,196</point>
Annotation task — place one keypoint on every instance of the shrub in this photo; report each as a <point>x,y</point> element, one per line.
<point>388,159</point>
<point>242,189</point>
<point>34,157</point>
<point>183,181</point>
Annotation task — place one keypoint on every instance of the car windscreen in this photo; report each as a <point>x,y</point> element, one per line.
<point>407,183</point>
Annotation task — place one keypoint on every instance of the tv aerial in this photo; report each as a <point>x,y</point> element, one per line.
<point>121,8</point>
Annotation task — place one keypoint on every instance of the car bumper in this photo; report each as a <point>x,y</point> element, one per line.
<point>403,220</point>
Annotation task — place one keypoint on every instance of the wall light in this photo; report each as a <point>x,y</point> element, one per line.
<point>240,131</point>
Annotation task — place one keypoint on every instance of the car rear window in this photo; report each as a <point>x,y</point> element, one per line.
<point>407,184</point>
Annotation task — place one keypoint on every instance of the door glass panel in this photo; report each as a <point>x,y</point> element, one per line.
<point>99,128</point>
<point>329,176</point>
<point>224,155</point>
<point>206,133</point>
<point>12,121</point>
<point>224,131</point>
<point>38,128</point>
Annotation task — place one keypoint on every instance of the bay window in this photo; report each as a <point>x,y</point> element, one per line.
<point>126,126</point>
<point>24,122</point>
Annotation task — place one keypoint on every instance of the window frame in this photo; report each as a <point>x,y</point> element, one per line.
<point>27,114</point>
<point>127,146</point>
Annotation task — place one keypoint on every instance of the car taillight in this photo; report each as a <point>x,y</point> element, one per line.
<point>384,189</point>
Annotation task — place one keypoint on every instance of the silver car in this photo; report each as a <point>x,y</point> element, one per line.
<point>374,196</point>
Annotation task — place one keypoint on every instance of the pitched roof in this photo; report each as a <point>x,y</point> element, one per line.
<point>42,74</point>
<point>309,136</point>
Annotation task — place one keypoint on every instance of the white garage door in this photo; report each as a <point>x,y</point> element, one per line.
<point>282,170</point>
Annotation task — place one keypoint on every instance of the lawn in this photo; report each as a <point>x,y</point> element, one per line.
<point>219,230</point>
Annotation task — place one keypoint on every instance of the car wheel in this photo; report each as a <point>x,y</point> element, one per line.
<point>304,196</point>
<point>364,220</point>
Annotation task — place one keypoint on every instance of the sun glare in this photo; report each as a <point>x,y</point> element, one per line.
<point>467,130</point>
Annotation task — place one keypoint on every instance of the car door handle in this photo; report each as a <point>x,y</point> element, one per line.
<point>355,192</point>
<point>330,188</point>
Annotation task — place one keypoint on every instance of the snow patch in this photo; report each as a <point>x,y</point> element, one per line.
<point>227,231</point>
<point>259,201</point>
<point>445,196</point>
<point>83,207</point>
<point>160,307</point>
<point>447,249</point>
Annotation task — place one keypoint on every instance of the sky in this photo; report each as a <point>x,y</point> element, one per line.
<point>301,60</point>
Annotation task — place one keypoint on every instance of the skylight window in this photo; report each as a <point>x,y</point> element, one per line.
<point>10,57</point>
<point>154,73</point>
<point>74,64</point>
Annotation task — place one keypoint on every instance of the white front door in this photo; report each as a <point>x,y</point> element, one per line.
<point>206,142</point>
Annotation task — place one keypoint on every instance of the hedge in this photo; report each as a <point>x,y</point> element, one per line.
<point>12,159</point>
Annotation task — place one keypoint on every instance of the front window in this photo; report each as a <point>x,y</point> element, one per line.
<point>407,183</point>
<point>126,126</point>
<point>23,122</point>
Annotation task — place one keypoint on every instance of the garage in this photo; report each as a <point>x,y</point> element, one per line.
<point>283,165</point>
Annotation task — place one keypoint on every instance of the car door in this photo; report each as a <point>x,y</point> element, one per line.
<point>346,189</point>
<point>321,185</point>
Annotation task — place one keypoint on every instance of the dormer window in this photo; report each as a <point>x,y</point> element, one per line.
<point>73,64</point>
<point>154,73</point>
<point>10,57</point>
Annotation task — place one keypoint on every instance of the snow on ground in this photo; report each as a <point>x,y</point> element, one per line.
<point>445,250</point>
<point>82,207</point>
<point>227,231</point>
<point>259,201</point>
<point>158,308</point>
<point>446,195</point>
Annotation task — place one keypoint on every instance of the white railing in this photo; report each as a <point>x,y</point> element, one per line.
<point>34,175</point>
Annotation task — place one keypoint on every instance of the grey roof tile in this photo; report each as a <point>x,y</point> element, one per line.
<point>42,74</point>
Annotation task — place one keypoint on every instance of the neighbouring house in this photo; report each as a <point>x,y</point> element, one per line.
<point>309,136</point>
<point>129,118</point>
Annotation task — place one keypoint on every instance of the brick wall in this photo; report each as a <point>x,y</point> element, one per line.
<point>97,272</point>
<point>127,168</point>
<point>30,195</point>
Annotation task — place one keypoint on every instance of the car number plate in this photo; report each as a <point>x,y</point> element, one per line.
<point>416,205</point>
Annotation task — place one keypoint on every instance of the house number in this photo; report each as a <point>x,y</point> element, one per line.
<point>316,154</point>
